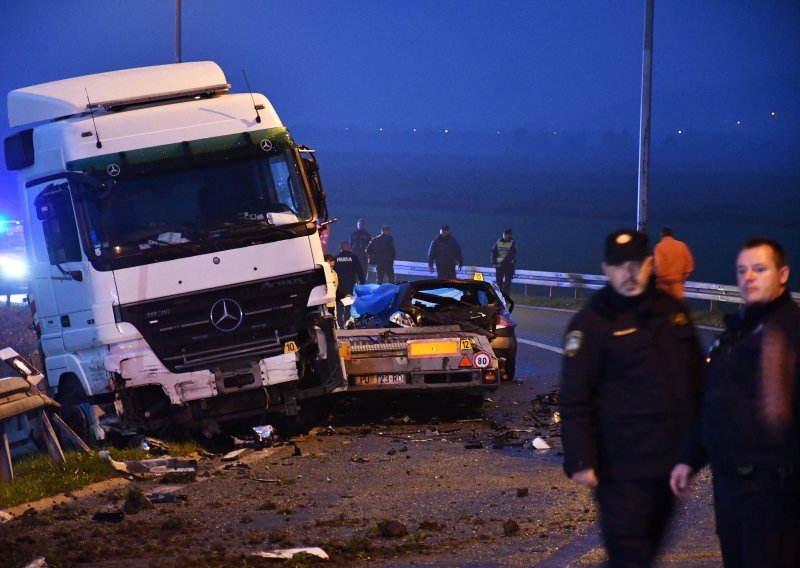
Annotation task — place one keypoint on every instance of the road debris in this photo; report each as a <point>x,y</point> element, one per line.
<point>159,466</point>
<point>289,553</point>
<point>522,492</point>
<point>155,446</point>
<point>539,443</point>
<point>38,562</point>
<point>264,433</point>
<point>166,498</point>
<point>234,455</point>
<point>108,516</point>
<point>510,527</point>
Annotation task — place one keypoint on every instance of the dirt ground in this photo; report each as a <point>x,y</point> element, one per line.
<point>410,489</point>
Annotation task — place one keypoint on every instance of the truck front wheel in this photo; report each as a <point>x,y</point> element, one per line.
<point>75,408</point>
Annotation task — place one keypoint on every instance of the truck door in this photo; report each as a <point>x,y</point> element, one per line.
<point>71,316</point>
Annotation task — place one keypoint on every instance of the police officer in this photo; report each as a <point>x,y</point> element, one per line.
<point>359,239</point>
<point>630,386</point>
<point>348,269</point>
<point>749,428</point>
<point>381,253</point>
<point>445,253</point>
<point>504,260</point>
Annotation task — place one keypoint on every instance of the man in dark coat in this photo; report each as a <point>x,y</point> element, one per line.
<point>630,389</point>
<point>359,239</point>
<point>749,427</point>
<point>349,271</point>
<point>381,253</point>
<point>445,252</point>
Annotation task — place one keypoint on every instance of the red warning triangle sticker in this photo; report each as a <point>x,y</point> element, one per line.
<point>465,362</point>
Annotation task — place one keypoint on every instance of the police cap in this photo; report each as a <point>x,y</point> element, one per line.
<point>624,245</point>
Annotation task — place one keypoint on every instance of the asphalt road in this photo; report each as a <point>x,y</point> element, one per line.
<point>692,540</point>
<point>467,487</point>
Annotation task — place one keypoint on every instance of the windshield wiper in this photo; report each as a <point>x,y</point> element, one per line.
<point>249,224</point>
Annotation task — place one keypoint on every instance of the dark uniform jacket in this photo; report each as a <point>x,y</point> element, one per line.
<point>445,252</point>
<point>750,414</point>
<point>359,239</point>
<point>380,250</point>
<point>630,385</point>
<point>348,269</point>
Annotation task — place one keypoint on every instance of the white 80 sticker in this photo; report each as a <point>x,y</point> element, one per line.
<point>482,360</point>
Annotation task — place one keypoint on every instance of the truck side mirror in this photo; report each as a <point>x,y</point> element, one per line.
<point>311,168</point>
<point>54,209</point>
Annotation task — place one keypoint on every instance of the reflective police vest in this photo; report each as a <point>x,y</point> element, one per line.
<point>503,248</point>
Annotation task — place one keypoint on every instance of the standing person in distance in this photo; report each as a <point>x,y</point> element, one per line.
<point>630,388</point>
<point>445,253</point>
<point>331,260</point>
<point>673,263</point>
<point>349,271</point>
<point>749,427</point>
<point>359,239</point>
<point>504,260</point>
<point>381,253</point>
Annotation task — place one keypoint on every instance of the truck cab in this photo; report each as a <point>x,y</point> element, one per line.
<point>176,271</point>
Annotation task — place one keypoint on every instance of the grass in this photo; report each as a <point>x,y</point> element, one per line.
<point>37,476</point>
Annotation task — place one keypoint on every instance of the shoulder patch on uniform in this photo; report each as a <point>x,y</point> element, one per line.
<point>572,342</point>
<point>628,331</point>
<point>679,319</point>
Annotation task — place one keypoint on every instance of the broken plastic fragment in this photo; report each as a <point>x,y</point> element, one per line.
<point>540,444</point>
<point>287,553</point>
<point>156,466</point>
<point>264,433</point>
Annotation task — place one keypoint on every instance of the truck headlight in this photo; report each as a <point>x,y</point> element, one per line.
<point>12,267</point>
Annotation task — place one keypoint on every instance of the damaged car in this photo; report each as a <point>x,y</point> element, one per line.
<point>475,306</point>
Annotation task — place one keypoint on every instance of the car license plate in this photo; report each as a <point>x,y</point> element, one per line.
<point>384,379</point>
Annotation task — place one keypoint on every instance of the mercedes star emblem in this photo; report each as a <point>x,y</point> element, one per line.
<point>226,314</point>
<point>113,170</point>
<point>266,145</point>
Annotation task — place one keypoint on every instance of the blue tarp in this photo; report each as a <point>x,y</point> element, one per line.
<point>373,299</point>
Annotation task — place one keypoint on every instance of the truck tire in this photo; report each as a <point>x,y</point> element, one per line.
<point>75,408</point>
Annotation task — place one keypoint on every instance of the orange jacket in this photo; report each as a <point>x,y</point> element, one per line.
<point>673,264</point>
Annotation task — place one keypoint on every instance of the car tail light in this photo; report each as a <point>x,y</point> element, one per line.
<point>501,321</point>
<point>489,377</point>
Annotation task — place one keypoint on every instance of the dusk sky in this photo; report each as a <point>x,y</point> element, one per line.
<point>727,69</point>
<point>456,64</point>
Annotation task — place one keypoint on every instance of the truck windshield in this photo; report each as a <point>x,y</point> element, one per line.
<point>192,196</point>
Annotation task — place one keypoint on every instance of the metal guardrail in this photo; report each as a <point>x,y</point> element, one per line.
<point>696,290</point>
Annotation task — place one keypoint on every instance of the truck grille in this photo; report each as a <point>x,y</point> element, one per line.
<point>226,325</point>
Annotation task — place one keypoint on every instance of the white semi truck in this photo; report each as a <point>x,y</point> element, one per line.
<point>176,271</point>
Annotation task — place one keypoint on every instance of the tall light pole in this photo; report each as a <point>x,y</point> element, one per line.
<point>177,31</point>
<point>644,121</point>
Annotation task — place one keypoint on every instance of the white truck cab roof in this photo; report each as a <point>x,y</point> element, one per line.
<point>78,95</point>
